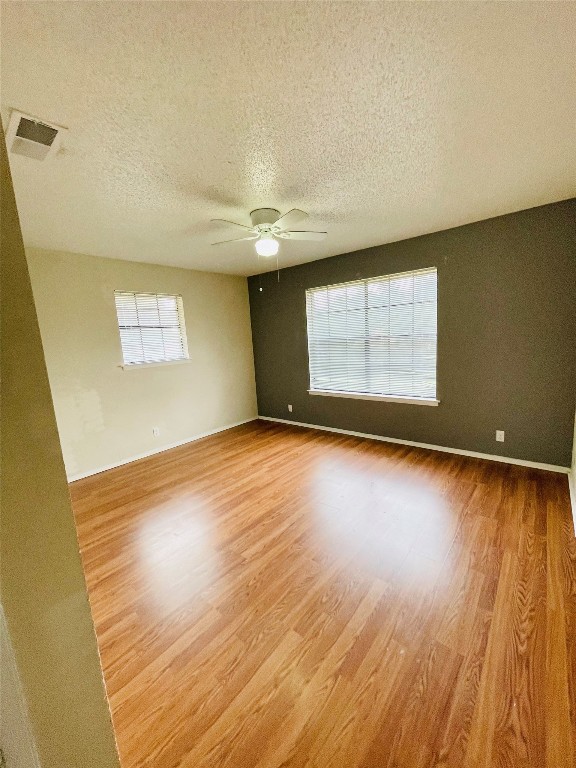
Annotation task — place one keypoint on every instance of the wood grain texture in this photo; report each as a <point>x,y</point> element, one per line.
<point>273,597</point>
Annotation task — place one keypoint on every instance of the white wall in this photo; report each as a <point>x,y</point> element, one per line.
<point>106,414</point>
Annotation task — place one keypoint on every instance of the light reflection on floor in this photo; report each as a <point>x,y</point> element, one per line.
<point>380,519</point>
<point>178,558</point>
<point>396,524</point>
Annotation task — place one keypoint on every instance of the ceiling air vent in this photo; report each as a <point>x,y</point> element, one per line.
<point>31,137</point>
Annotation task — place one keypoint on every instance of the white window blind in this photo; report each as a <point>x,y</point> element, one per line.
<point>375,337</point>
<point>151,327</point>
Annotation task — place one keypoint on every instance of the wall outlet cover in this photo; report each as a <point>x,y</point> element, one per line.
<point>500,435</point>
<point>290,408</point>
<point>156,431</point>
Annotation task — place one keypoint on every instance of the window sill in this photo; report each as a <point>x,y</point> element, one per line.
<point>383,398</point>
<point>160,364</point>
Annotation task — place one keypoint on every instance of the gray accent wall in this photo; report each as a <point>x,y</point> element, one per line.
<point>506,337</point>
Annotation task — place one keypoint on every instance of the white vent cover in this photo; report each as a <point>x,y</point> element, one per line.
<point>31,137</point>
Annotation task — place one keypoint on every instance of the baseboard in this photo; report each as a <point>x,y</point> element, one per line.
<point>16,737</point>
<point>130,459</point>
<point>442,448</point>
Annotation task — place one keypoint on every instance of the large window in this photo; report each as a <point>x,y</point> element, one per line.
<point>375,338</point>
<point>151,327</point>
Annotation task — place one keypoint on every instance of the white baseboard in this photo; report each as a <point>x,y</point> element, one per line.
<point>130,459</point>
<point>442,448</point>
<point>16,737</point>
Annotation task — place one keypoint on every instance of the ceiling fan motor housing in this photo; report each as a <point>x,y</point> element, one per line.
<point>264,216</point>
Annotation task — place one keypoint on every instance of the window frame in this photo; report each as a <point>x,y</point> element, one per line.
<point>181,325</point>
<point>403,399</point>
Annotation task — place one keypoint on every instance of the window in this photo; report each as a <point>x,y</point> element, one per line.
<point>151,327</point>
<point>375,338</point>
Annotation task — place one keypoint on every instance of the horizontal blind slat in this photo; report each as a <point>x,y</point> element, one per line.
<point>375,336</point>
<point>151,327</point>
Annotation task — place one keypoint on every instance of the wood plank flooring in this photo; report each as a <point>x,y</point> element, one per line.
<point>278,597</point>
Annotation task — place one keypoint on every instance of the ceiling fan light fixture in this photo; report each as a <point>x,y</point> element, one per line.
<point>268,227</point>
<point>267,246</point>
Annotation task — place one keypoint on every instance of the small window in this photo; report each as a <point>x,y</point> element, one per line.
<point>374,338</point>
<point>151,327</point>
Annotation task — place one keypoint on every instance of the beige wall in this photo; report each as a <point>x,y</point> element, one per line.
<point>16,737</point>
<point>106,414</point>
<point>42,585</point>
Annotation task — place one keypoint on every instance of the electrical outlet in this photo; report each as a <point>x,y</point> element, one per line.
<point>290,408</point>
<point>156,431</point>
<point>499,435</point>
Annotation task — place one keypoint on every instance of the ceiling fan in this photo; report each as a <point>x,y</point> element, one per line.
<point>268,226</point>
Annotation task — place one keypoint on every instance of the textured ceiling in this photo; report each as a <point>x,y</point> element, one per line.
<point>382,120</point>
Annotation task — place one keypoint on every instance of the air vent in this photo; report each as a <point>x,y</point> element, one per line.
<point>31,137</point>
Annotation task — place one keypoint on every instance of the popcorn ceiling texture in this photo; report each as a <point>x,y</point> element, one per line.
<point>382,120</point>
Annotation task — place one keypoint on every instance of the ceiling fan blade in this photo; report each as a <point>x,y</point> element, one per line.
<point>231,223</point>
<point>236,240</point>
<point>301,235</point>
<point>290,218</point>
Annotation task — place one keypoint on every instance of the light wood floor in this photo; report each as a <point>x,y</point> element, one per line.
<point>272,597</point>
